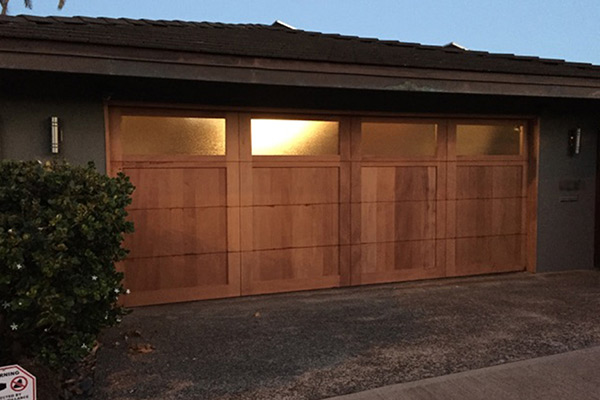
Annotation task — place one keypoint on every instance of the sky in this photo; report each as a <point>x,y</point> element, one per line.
<point>564,29</point>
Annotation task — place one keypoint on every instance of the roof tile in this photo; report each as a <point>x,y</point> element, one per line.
<point>265,41</point>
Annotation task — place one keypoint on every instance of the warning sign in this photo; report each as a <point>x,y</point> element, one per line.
<point>19,384</point>
<point>16,384</point>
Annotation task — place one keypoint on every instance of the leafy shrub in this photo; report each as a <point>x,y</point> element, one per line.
<point>61,229</point>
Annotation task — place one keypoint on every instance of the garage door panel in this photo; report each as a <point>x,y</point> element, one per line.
<point>508,181</point>
<point>275,270</point>
<point>184,278</point>
<point>177,187</point>
<point>473,218</point>
<point>295,226</point>
<point>415,183</point>
<point>489,181</point>
<point>388,257</point>
<point>380,184</point>
<point>484,217</point>
<point>489,254</point>
<point>384,222</point>
<point>474,182</point>
<point>507,216</point>
<point>176,272</point>
<point>507,252</point>
<point>400,261</point>
<point>162,232</point>
<point>295,185</point>
<point>399,221</point>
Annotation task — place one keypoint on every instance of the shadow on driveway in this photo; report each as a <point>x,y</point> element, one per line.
<point>314,345</point>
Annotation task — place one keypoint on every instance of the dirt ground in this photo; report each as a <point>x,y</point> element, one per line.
<point>315,345</point>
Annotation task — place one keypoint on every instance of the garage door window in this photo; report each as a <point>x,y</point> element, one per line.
<point>489,140</point>
<point>275,137</point>
<point>149,135</point>
<point>398,140</point>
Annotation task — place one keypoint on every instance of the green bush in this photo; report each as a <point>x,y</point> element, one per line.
<point>61,229</point>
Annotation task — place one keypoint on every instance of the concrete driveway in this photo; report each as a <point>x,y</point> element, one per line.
<point>315,345</point>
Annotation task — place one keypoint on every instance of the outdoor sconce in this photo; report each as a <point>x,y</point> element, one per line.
<point>574,141</point>
<point>55,135</point>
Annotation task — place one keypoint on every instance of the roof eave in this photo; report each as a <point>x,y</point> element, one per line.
<point>165,64</point>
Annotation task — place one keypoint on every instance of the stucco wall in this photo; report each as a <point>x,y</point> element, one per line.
<point>25,109</point>
<point>566,227</point>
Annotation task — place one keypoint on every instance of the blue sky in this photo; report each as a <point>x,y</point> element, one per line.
<point>566,29</point>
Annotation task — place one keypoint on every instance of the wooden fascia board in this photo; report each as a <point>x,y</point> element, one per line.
<point>148,63</point>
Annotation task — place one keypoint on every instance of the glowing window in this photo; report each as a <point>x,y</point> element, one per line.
<point>149,135</point>
<point>473,140</point>
<point>391,139</point>
<point>271,137</point>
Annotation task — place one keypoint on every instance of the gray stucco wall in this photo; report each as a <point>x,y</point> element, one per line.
<point>566,227</point>
<point>24,122</point>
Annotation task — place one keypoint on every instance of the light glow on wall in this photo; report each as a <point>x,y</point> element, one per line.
<point>272,137</point>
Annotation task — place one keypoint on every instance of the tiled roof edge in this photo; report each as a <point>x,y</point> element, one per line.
<point>82,20</point>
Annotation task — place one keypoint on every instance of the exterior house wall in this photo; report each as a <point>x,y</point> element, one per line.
<point>27,103</point>
<point>565,229</point>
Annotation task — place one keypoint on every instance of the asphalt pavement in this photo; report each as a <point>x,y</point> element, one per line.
<point>321,344</point>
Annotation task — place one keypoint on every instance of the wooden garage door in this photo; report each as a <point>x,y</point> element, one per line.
<point>185,207</point>
<point>295,204</point>
<point>487,197</point>
<point>399,192</point>
<point>231,204</point>
<point>437,198</point>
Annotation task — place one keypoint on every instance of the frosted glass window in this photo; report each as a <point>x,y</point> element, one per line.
<point>273,137</point>
<point>392,139</point>
<point>491,140</point>
<point>144,135</point>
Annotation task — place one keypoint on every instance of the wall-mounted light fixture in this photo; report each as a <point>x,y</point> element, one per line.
<point>55,135</point>
<point>574,141</point>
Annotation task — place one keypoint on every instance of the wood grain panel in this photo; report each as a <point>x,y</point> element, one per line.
<point>507,216</point>
<point>386,257</point>
<point>290,269</point>
<point>380,184</point>
<point>177,231</point>
<point>176,272</point>
<point>481,182</point>
<point>214,280</point>
<point>384,222</point>
<point>489,254</point>
<point>489,217</point>
<point>508,181</point>
<point>473,182</point>
<point>177,187</point>
<point>295,185</point>
<point>295,226</point>
<point>307,263</point>
<point>399,222</point>
<point>485,217</point>
<point>415,183</point>
<point>402,261</point>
